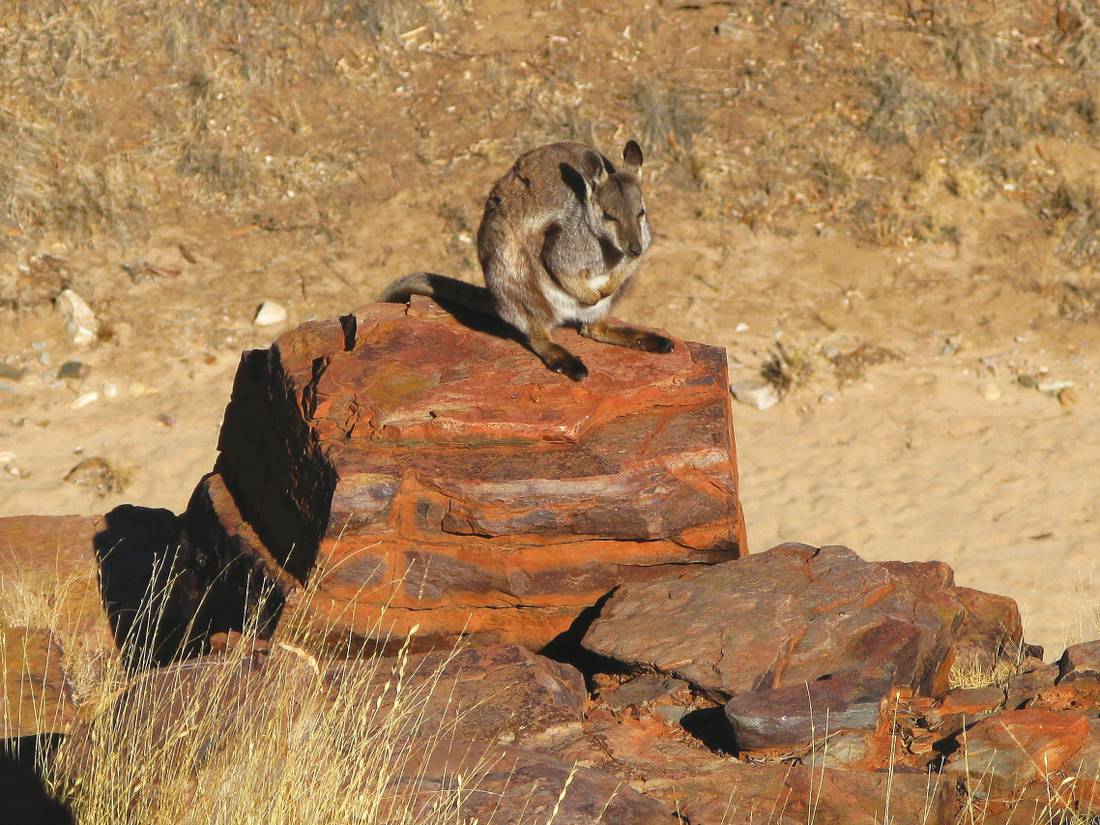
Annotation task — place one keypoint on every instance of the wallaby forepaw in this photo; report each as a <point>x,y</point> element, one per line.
<point>569,366</point>
<point>657,343</point>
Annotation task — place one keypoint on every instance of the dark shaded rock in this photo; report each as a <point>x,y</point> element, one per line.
<point>1003,754</point>
<point>73,370</point>
<point>440,471</point>
<point>791,615</point>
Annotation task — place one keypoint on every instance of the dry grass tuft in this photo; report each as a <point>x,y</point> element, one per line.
<point>788,367</point>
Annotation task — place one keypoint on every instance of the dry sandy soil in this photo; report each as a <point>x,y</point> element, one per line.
<point>901,194</point>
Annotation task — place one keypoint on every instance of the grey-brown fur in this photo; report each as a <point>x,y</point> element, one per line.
<point>559,244</point>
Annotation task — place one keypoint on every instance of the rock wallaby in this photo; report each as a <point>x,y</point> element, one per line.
<point>559,244</point>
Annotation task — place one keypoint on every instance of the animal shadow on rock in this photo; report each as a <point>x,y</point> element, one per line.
<point>159,592</point>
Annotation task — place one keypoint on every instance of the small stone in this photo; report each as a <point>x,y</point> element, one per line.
<point>108,389</point>
<point>1054,386</point>
<point>741,327</point>
<point>75,370</point>
<point>827,398</point>
<point>268,314</point>
<point>44,359</point>
<point>755,394</point>
<point>84,399</point>
<point>100,474</point>
<point>166,420</point>
<point>11,373</point>
<point>7,457</point>
<point>1026,381</point>
<point>1068,397</point>
<point>990,391</point>
<point>81,325</point>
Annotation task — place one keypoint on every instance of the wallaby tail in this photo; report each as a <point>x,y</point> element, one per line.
<point>442,289</point>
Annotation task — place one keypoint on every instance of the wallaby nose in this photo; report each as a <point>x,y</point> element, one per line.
<point>635,249</point>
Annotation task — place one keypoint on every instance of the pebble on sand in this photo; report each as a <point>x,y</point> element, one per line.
<point>81,325</point>
<point>755,394</point>
<point>84,399</point>
<point>269,313</point>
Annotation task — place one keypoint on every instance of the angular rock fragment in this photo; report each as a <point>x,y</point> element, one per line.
<point>1024,687</point>
<point>991,631</point>
<point>1081,661</point>
<point>409,460</point>
<point>1003,754</point>
<point>791,615</point>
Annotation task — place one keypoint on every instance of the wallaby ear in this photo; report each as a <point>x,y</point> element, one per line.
<point>632,157</point>
<point>591,167</point>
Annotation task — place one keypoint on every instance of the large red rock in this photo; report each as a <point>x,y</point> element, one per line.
<point>411,462</point>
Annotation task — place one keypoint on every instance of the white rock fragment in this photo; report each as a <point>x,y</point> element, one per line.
<point>81,325</point>
<point>741,327</point>
<point>7,456</point>
<point>108,389</point>
<point>1054,386</point>
<point>84,399</point>
<point>269,313</point>
<point>755,394</point>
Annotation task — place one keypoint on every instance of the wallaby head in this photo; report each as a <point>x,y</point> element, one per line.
<point>616,211</point>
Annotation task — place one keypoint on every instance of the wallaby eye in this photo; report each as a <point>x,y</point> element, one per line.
<point>607,216</point>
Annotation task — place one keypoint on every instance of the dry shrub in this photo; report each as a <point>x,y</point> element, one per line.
<point>904,109</point>
<point>851,366</point>
<point>788,367</point>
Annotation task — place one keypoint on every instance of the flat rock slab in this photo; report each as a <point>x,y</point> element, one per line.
<point>743,794</point>
<point>791,615</point>
<point>497,693</point>
<point>36,698</point>
<point>795,715</point>
<point>506,785</point>
<point>1003,754</point>
<point>408,460</point>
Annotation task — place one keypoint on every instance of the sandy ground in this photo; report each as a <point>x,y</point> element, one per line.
<point>379,162</point>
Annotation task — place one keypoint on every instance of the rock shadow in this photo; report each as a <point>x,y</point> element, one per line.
<point>163,593</point>
<point>25,801</point>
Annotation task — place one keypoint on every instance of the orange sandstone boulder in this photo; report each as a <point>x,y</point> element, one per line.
<point>409,460</point>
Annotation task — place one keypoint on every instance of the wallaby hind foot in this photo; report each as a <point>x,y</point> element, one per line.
<point>557,358</point>
<point>624,336</point>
